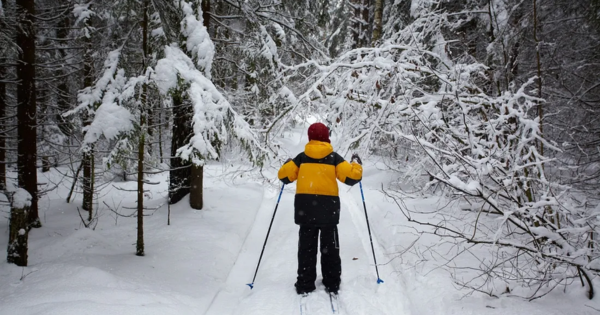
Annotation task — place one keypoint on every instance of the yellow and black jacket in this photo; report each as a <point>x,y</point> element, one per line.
<point>317,202</point>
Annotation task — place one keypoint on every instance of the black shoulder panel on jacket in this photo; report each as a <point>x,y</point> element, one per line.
<point>298,159</point>
<point>329,159</point>
<point>337,159</point>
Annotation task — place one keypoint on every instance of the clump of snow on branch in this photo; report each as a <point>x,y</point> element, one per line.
<point>83,13</point>
<point>198,42</point>
<point>279,32</point>
<point>269,49</point>
<point>102,101</point>
<point>92,95</point>
<point>286,94</point>
<point>21,199</point>
<point>110,120</point>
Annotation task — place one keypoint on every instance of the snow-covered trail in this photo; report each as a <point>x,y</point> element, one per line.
<point>200,264</point>
<point>274,292</point>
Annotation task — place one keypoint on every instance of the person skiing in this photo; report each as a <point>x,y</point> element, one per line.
<point>317,206</point>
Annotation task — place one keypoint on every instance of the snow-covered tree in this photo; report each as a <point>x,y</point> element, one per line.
<point>436,114</point>
<point>184,75</point>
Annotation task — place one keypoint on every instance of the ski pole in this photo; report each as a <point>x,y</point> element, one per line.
<point>251,285</point>
<point>369,229</point>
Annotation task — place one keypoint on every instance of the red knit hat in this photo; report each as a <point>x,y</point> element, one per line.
<point>319,132</point>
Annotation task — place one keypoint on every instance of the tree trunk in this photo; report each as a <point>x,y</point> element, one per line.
<point>160,133</point>
<point>42,112</point>
<point>180,172</point>
<point>366,8</point>
<point>169,17</point>
<point>3,121</point>
<point>179,175</point>
<point>206,13</point>
<point>160,130</point>
<point>149,106</point>
<point>27,109</point>
<point>553,215</point>
<point>196,191</point>
<point>360,22</point>
<point>356,5</point>
<point>63,94</point>
<point>3,103</point>
<point>18,231</point>
<point>139,247</point>
<point>197,172</point>
<point>88,177</point>
<point>540,109</point>
<point>378,21</point>
<point>88,155</point>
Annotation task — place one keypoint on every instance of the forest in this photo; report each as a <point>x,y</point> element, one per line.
<point>490,104</point>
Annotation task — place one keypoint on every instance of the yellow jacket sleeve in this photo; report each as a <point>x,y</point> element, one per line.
<point>349,173</point>
<point>288,173</point>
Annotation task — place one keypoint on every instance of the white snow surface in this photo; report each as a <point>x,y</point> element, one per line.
<point>201,263</point>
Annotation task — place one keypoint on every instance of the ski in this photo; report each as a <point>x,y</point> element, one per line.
<point>335,304</point>
<point>303,300</point>
<point>333,300</point>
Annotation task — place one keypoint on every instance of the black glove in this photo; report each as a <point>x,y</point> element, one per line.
<point>356,158</point>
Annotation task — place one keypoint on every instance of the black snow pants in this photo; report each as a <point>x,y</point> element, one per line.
<point>331,265</point>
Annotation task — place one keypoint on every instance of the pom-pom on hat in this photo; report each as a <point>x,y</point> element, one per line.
<point>319,132</point>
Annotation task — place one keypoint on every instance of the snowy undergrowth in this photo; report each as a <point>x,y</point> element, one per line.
<point>74,269</point>
<point>201,262</point>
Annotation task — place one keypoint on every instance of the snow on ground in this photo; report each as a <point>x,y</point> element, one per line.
<point>201,263</point>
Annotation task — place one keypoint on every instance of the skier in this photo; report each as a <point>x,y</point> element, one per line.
<point>317,206</point>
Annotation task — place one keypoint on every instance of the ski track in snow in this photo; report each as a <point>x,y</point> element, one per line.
<point>385,298</point>
<point>274,292</point>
